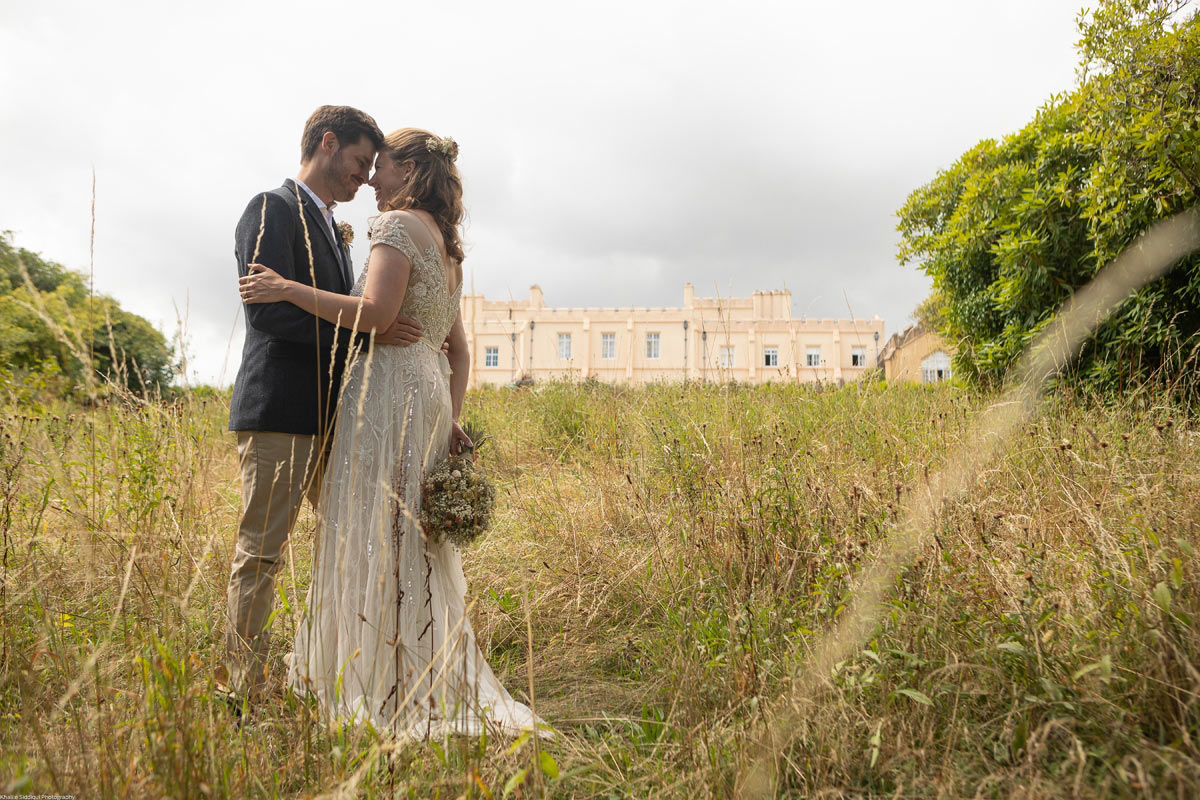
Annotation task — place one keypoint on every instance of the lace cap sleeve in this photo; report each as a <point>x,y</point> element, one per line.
<point>389,229</point>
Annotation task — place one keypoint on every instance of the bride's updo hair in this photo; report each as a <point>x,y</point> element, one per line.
<point>434,185</point>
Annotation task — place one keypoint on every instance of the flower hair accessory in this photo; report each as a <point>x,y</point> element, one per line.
<point>347,232</point>
<point>447,147</point>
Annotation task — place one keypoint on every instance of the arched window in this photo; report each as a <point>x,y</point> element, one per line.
<point>935,367</point>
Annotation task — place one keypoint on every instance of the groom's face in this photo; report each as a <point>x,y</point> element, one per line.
<point>349,168</point>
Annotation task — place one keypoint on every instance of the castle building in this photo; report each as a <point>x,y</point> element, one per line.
<point>916,355</point>
<point>753,339</point>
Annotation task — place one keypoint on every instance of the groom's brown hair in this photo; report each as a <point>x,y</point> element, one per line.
<point>348,124</point>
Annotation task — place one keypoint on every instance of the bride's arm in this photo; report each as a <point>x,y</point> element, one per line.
<point>381,300</point>
<point>460,369</point>
<point>460,364</point>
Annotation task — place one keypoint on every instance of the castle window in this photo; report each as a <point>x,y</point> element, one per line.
<point>651,345</point>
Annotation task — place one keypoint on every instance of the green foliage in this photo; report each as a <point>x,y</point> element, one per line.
<point>50,329</point>
<point>1015,226</point>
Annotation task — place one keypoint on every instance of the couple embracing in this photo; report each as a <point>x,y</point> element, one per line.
<point>346,395</point>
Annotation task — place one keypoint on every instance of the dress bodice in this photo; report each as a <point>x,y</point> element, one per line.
<point>427,300</point>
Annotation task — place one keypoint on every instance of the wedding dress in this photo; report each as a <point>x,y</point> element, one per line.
<point>385,637</point>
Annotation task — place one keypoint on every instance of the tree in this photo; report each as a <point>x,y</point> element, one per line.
<point>51,329</point>
<point>1014,227</point>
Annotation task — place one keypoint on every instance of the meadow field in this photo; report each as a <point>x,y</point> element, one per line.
<point>664,563</point>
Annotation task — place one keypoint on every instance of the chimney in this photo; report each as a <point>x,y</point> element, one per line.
<point>535,297</point>
<point>689,295</point>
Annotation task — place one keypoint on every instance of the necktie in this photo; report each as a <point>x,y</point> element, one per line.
<point>341,253</point>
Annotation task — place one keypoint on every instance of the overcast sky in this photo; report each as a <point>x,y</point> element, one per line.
<point>610,151</point>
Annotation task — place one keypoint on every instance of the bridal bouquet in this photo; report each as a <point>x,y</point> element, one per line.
<point>457,497</point>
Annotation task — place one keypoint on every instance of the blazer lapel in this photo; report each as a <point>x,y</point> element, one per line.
<point>347,268</point>
<point>316,221</point>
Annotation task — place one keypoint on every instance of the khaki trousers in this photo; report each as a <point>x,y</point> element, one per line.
<point>278,471</point>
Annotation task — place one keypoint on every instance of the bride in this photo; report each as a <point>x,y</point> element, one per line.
<point>385,637</point>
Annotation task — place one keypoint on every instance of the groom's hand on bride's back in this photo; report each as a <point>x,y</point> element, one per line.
<point>403,332</point>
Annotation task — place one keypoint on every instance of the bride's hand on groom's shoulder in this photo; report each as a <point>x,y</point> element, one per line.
<point>263,285</point>
<point>401,333</point>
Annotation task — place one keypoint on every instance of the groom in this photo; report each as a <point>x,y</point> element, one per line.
<point>285,394</point>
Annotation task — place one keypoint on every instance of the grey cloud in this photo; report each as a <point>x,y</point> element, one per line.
<point>609,157</point>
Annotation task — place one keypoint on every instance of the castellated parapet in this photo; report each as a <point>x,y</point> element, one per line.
<point>753,339</point>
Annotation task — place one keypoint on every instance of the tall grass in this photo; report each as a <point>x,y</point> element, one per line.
<point>664,560</point>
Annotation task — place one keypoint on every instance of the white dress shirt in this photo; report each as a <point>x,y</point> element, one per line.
<point>326,211</point>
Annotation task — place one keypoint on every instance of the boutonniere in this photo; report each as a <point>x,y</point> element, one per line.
<point>347,232</point>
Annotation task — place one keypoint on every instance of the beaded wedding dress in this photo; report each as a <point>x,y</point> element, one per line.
<point>385,637</point>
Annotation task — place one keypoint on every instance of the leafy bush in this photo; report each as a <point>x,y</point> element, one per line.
<point>50,329</point>
<point>1014,227</point>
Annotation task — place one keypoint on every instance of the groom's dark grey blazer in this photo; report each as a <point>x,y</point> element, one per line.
<point>286,382</point>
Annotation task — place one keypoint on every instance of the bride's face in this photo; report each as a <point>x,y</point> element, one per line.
<point>389,178</point>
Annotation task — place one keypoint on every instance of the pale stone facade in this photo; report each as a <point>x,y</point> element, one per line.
<point>753,339</point>
<point>917,355</point>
